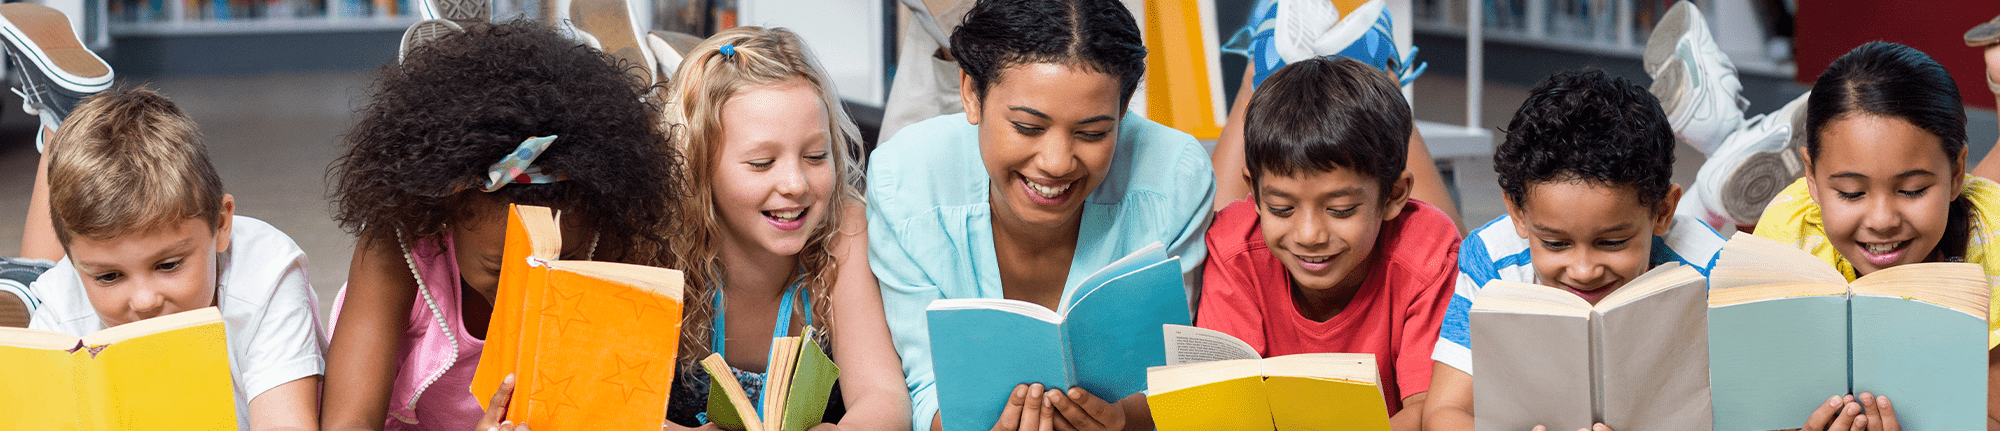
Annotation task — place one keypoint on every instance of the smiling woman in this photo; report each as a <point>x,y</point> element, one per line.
<point>1070,184</point>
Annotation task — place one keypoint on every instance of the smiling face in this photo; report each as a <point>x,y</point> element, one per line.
<point>168,269</point>
<point>1587,237</point>
<point>1323,226</point>
<point>773,174</point>
<point>1884,188</point>
<point>1046,135</point>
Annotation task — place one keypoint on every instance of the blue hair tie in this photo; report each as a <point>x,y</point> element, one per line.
<point>728,50</point>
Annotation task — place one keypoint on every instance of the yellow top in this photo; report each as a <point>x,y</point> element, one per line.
<point>1794,218</point>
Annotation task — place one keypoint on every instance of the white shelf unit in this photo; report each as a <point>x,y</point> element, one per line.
<point>1602,27</point>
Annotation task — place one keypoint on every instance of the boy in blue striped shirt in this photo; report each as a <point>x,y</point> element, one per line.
<point>1587,168</point>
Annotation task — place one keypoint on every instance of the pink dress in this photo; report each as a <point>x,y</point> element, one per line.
<point>437,356</point>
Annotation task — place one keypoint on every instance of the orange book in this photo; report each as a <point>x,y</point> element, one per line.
<point>591,344</point>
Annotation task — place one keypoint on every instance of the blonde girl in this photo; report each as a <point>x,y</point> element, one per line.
<point>776,238</point>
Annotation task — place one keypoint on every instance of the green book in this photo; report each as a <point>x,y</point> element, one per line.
<point>796,387</point>
<point>1786,331</point>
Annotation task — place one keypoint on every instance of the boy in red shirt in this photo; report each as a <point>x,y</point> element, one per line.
<point>1329,254</point>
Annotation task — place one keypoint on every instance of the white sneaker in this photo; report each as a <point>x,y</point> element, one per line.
<point>1751,167</point>
<point>1693,79</point>
<point>424,32</point>
<point>669,49</point>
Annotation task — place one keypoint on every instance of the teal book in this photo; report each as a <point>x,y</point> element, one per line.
<point>1102,337</point>
<point>1786,331</point>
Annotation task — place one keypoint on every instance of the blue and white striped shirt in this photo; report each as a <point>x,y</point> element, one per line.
<point>1496,252</point>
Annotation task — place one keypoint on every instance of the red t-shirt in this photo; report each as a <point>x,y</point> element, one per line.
<point>1247,293</point>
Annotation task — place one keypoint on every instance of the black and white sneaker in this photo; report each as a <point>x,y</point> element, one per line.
<point>423,32</point>
<point>17,303</point>
<point>57,70</point>
<point>463,12</point>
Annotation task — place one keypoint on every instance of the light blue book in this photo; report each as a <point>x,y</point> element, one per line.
<point>1786,331</point>
<point>1102,337</point>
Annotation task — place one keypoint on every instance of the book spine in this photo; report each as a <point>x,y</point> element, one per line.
<point>1596,367</point>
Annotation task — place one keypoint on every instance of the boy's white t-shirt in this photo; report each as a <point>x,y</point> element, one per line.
<point>270,315</point>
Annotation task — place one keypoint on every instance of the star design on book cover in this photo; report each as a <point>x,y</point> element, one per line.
<point>633,372</point>
<point>640,302</point>
<point>572,300</point>
<point>553,393</point>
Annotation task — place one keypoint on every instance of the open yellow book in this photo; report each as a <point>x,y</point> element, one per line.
<point>165,373</point>
<point>796,387</point>
<point>591,344</point>
<point>1215,382</point>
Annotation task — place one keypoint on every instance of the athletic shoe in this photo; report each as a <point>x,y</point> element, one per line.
<point>424,32</point>
<point>1694,80</point>
<point>1750,168</point>
<point>608,26</point>
<point>16,303</point>
<point>462,12</point>
<point>1986,33</point>
<point>57,70</point>
<point>669,48</point>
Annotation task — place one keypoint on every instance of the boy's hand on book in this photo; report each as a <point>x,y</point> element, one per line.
<point>1078,410</point>
<point>1026,410</point>
<point>1839,413</point>
<point>492,421</point>
<point>1878,414</point>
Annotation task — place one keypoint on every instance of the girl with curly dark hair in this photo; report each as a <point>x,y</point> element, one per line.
<point>775,237</point>
<point>424,187</point>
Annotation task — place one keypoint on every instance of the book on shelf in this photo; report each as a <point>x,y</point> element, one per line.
<point>1213,381</point>
<point>797,384</point>
<point>1786,331</point>
<point>170,371</point>
<point>591,344</point>
<point>1637,359</point>
<point>1101,337</point>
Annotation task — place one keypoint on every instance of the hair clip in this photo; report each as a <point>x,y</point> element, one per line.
<point>728,50</point>
<point>516,167</point>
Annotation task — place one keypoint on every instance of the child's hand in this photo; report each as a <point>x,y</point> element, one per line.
<point>1078,410</point>
<point>1839,413</point>
<point>1026,410</point>
<point>1878,414</point>
<point>498,409</point>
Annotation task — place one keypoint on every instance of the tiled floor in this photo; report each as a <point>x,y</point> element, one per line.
<point>272,138</point>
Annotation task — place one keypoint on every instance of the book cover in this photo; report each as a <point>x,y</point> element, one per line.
<point>1312,391</point>
<point>592,343</point>
<point>1787,330</point>
<point>1635,360</point>
<point>168,372</point>
<point>982,348</point>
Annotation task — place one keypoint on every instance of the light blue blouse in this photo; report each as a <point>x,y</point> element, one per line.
<point>930,228</point>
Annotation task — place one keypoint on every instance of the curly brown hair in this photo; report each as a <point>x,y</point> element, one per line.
<point>455,106</point>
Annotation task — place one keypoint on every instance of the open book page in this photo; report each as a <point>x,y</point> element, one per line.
<point>1188,345</point>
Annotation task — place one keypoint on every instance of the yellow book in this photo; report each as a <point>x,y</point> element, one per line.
<point>1216,382</point>
<point>166,373</point>
<point>591,344</point>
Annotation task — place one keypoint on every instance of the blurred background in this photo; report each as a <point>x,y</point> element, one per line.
<point>275,83</point>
